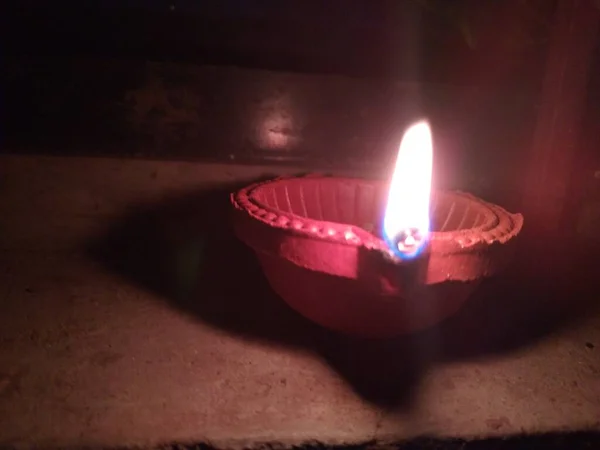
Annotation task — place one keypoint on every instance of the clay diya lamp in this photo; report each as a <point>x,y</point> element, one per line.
<point>373,258</point>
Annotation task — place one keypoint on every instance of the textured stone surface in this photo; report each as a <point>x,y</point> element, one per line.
<point>111,335</point>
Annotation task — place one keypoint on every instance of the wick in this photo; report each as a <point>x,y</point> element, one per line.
<point>408,239</point>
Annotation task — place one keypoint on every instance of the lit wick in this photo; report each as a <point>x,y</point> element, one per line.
<point>406,220</point>
<point>409,240</point>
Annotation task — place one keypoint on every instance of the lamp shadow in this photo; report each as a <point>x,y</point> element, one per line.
<point>184,250</point>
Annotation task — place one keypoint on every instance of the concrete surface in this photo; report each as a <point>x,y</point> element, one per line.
<point>110,335</point>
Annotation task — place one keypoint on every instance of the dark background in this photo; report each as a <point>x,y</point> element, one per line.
<point>407,39</point>
<point>304,82</point>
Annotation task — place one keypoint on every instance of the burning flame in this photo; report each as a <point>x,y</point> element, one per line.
<point>406,219</point>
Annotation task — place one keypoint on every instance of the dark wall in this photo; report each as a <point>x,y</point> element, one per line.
<point>383,38</point>
<point>327,83</point>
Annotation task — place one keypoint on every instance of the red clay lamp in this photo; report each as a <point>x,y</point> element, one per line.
<point>372,258</point>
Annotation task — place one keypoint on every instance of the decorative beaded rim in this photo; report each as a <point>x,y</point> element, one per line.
<point>498,225</point>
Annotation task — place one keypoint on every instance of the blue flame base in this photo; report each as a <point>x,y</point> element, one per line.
<point>392,243</point>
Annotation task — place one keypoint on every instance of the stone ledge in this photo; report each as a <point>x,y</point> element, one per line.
<point>110,336</point>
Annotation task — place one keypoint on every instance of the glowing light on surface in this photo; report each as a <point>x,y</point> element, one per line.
<point>406,219</point>
<point>277,123</point>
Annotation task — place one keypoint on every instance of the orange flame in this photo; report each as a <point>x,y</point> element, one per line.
<point>407,211</point>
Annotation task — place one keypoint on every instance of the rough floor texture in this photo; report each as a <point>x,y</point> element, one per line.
<point>129,315</point>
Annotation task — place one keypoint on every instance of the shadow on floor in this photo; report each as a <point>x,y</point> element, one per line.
<point>184,250</point>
